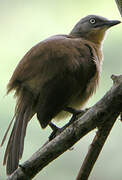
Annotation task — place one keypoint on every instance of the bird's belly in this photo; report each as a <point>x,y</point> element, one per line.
<point>78,102</point>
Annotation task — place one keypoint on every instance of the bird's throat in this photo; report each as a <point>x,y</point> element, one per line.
<point>96,36</point>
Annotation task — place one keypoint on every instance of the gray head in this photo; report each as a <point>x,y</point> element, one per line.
<point>92,25</point>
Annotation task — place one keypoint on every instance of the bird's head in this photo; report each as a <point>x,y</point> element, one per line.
<point>93,28</point>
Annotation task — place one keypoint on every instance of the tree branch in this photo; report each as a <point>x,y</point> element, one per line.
<point>105,110</point>
<point>97,144</point>
<point>119,5</point>
<point>95,149</point>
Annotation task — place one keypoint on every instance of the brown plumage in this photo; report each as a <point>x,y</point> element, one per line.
<point>61,71</point>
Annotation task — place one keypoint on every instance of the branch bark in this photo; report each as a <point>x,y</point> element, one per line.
<point>98,143</point>
<point>108,107</point>
<point>119,5</point>
<point>95,149</point>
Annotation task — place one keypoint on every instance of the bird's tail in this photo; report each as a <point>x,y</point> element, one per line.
<point>15,146</point>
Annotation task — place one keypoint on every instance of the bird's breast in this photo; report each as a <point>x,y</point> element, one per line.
<point>88,83</point>
<point>78,101</point>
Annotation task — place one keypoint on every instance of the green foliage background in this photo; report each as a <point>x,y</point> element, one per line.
<point>22,25</point>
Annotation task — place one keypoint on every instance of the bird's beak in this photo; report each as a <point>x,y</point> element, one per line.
<point>111,23</point>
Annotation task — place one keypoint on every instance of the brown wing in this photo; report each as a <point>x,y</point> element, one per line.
<point>37,61</point>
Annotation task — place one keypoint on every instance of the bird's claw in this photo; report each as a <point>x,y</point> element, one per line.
<point>56,132</point>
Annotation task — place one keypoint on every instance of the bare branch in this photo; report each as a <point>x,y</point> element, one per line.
<point>98,142</point>
<point>95,149</point>
<point>119,5</point>
<point>105,110</point>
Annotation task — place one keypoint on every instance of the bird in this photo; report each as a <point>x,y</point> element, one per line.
<point>58,74</point>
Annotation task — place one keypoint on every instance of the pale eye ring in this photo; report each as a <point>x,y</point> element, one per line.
<point>92,21</point>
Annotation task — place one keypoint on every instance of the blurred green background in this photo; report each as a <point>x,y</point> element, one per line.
<point>22,25</point>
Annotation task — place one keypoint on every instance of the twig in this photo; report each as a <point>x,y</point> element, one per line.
<point>95,149</point>
<point>98,142</point>
<point>94,117</point>
<point>119,5</point>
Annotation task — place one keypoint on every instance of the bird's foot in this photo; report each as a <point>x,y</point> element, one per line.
<point>56,131</point>
<point>22,167</point>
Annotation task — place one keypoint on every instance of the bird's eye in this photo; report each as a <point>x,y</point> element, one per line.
<point>92,21</point>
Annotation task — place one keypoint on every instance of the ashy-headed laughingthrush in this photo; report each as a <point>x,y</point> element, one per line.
<point>60,72</point>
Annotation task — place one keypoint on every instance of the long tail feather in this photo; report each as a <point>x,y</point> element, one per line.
<point>23,133</point>
<point>13,157</point>
<point>23,113</point>
<point>4,138</point>
<point>8,147</point>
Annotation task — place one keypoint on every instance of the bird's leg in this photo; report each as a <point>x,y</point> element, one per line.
<point>57,130</point>
<point>53,126</point>
<point>22,168</point>
<point>74,113</point>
